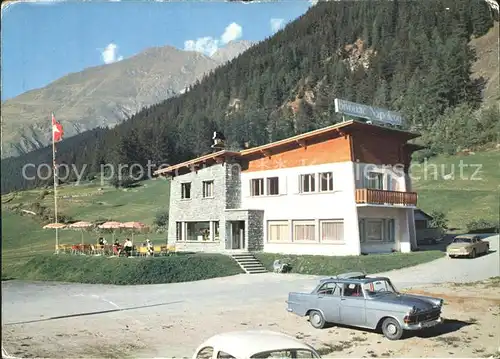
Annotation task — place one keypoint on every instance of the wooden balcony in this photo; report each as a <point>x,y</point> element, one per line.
<point>381,197</point>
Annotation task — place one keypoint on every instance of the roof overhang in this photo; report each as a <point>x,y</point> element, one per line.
<point>302,140</point>
<point>197,163</point>
<point>354,126</point>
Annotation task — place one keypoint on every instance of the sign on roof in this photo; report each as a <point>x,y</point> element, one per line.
<point>368,112</point>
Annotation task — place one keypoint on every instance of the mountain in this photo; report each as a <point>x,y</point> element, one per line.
<point>105,95</point>
<point>408,56</point>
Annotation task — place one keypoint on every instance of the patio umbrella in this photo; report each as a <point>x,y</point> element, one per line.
<point>54,226</point>
<point>111,225</point>
<point>81,225</point>
<point>134,226</point>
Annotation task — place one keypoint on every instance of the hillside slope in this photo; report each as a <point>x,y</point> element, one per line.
<point>104,95</point>
<point>487,64</point>
<point>287,84</point>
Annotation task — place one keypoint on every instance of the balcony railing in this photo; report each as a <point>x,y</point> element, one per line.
<point>377,196</point>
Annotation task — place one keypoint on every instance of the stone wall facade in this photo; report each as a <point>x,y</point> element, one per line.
<point>223,207</point>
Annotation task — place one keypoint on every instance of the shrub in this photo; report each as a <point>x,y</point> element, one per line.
<point>161,219</point>
<point>103,270</point>
<point>482,226</point>
<point>439,220</point>
<point>331,265</point>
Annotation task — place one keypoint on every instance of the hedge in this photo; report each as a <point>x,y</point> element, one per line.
<point>328,265</point>
<point>114,270</point>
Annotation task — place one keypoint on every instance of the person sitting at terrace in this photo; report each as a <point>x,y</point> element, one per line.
<point>127,247</point>
<point>149,247</point>
<point>102,242</point>
<point>117,247</point>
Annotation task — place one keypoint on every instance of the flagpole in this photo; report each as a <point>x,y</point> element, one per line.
<point>55,182</point>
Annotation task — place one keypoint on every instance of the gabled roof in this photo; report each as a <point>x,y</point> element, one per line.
<point>342,128</point>
<point>421,215</point>
<point>197,161</point>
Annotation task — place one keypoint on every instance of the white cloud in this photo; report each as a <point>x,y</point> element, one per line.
<point>208,45</point>
<point>233,32</point>
<point>313,2</point>
<point>110,54</point>
<point>277,24</point>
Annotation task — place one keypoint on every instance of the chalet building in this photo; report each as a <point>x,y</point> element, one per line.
<point>339,190</point>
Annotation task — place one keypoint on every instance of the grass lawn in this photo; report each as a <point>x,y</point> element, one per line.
<point>472,193</point>
<point>463,197</point>
<point>327,265</point>
<point>113,270</point>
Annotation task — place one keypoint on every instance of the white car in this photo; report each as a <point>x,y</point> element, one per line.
<point>254,344</point>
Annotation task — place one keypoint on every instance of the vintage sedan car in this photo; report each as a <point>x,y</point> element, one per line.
<point>254,344</point>
<point>357,300</point>
<point>467,245</point>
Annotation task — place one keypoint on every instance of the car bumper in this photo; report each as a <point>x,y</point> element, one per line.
<point>458,253</point>
<point>423,325</point>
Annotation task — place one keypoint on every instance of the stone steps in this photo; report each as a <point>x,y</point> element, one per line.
<point>249,263</point>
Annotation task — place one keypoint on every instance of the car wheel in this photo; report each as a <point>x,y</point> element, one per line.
<point>473,254</point>
<point>391,329</point>
<point>449,255</point>
<point>316,319</point>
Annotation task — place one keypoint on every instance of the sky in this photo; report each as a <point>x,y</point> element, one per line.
<point>43,41</point>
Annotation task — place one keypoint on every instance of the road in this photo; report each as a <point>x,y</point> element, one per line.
<point>183,314</point>
<point>34,301</point>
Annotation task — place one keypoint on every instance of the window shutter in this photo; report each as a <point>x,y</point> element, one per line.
<point>282,184</point>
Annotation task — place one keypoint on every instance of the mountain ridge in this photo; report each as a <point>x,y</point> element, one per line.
<point>105,95</point>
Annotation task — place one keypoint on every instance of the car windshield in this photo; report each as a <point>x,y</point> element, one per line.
<point>286,353</point>
<point>462,240</point>
<point>382,286</point>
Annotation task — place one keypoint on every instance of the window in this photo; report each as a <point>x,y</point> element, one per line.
<point>378,230</point>
<point>216,227</point>
<point>273,186</point>
<point>257,187</point>
<point>205,353</point>
<point>208,189</point>
<point>198,231</point>
<point>374,229</point>
<point>278,231</point>
<point>304,231</point>
<point>332,231</point>
<point>326,181</point>
<point>375,180</point>
<point>307,183</point>
<point>186,190</point>
<point>178,231</point>
<point>224,355</point>
<point>330,289</point>
<point>352,290</point>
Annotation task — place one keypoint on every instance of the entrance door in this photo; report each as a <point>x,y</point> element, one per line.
<point>238,235</point>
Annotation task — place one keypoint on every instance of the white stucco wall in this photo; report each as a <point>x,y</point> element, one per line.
<point>402,229</point>
<point>394,177</point>
<point>291,205</point>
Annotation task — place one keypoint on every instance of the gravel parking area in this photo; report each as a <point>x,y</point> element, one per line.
<point>171,320</point>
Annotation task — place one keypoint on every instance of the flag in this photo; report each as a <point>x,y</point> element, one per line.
<point>57,130</point>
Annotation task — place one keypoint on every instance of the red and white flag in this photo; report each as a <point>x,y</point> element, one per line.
<point>57,130</point>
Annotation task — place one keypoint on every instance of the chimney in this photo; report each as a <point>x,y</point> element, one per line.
<point>219,141</point>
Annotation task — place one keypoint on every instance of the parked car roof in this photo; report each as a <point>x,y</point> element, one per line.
<point>352,279</point>
<point>466,236</point>
<point>244,344</point>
